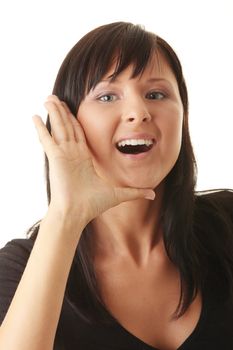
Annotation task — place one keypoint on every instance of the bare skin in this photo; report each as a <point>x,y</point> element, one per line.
<point>149,103</point>
<point>138,283</point>
<point>143,298</point>
<point>75,188</point>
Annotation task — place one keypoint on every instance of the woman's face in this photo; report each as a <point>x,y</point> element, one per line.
<point>147,108</point>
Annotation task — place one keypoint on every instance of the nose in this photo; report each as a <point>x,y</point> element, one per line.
<point>136,112</point>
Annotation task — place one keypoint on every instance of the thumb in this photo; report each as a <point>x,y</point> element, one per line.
<point>124,194</point>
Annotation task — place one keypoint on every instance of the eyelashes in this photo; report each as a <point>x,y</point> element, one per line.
<point>111,97</point>
<point>155,95</point>
<point>108,97</point>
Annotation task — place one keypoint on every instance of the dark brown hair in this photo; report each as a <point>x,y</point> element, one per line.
<point>84,66</point>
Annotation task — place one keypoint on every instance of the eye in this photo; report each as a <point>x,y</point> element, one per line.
<point>107,98</point>
<point>155,95</point>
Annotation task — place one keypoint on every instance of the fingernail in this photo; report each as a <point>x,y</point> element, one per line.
<point>51,97</point>
<point>150,195</point>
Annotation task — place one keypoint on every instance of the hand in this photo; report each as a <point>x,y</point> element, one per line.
<point>75,185</point>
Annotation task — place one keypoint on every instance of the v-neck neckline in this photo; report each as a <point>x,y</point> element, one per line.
<point>190,338</point>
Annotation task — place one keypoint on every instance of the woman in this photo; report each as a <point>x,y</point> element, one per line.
<point>128,256</point>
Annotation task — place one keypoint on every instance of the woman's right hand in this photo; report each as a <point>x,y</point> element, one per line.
<point>75,186</point>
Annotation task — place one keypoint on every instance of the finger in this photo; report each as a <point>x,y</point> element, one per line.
<point>58,129</point>
<point>124,194</point>
<point>43,134</point>
<point>78,130</point>
<point>64,115</point>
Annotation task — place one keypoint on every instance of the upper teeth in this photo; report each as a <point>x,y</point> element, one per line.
<point>135,142</point>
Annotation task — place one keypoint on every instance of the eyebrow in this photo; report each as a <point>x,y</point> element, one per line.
<point>153,80</point>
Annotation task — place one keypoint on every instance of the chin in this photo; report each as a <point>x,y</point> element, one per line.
<point>142,183</point>
<point>136,181</point>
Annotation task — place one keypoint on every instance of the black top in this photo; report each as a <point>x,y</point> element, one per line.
<point>214,329</point>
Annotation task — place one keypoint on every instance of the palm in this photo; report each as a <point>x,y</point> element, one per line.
<point>73,179</point>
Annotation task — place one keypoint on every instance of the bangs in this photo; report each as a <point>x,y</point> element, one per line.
<point>128,45</point>
<point>117,45</point>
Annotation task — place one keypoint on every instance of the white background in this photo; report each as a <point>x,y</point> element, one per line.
<point>35,36</point>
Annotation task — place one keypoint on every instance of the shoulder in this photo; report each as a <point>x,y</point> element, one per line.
<point>13,260</point>
<point>223,197</point>
<point>217,204</point>
<point>213,228</point>
<point>213,223</point>
<point>16,252</point>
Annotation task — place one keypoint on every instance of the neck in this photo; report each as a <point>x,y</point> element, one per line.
<point>131,229</point>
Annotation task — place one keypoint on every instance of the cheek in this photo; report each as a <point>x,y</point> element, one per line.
<point>98,133</point>
<point>86,123</point>
<point>89,122</point>
<point>174,130</point>
<point>171,132</point>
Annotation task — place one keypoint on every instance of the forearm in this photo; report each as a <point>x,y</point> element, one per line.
<point>32,318</point>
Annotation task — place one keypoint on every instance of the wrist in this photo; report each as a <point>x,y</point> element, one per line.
<point>75,214</point>
<point>65,223</point>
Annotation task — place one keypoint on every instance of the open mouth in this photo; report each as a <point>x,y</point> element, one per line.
<point>134,149</point>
